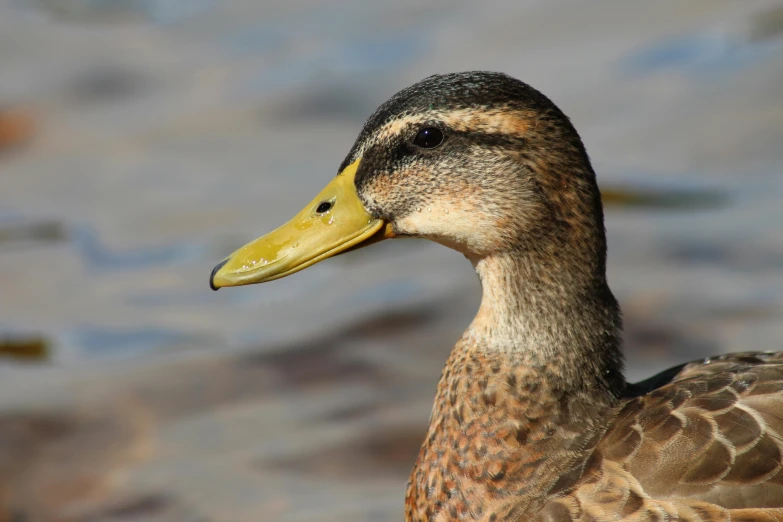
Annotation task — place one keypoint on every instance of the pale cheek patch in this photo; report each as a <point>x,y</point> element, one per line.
<point>455,223</point>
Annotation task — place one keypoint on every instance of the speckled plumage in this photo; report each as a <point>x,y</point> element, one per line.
<point>533,419</point>
<point>504,445</point>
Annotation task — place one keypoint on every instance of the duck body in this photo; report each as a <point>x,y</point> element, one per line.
<point>703,445</point>
<point>533,419</point>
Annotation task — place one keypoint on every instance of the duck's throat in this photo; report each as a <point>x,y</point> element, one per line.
<point>559,322</point>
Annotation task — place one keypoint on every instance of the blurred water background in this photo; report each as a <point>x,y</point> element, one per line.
<point>141,141</point>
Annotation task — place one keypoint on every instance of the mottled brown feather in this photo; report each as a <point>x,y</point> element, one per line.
<point>715,427</point>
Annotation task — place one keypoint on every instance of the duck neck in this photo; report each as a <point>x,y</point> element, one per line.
<point>553,324</point>
<point>526,392</point>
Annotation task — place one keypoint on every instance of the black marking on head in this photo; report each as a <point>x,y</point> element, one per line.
<point>466,90</point>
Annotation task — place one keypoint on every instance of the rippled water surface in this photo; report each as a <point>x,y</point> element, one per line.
<point>143,141</point>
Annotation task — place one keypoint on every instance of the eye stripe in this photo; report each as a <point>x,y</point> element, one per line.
<point>470,121</point>
<point>500,127</point>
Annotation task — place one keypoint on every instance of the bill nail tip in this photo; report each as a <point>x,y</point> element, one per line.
<point>212,275</point>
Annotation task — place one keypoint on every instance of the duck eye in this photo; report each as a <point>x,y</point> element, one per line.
<point>324,207</point>
<point>428,138</point>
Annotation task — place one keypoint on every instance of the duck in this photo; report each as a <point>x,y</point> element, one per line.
<point>533,419</point>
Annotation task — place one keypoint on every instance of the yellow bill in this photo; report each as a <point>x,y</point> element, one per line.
<point>333,222</point>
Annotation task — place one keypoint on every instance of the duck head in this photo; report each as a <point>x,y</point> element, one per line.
<point>477,161</point>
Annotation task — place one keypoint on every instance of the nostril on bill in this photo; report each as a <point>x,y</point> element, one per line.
<point>324,207</point>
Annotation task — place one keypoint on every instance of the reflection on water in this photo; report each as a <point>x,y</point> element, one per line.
<point>19,232</point>
<point>27,349</point>
<point>97,256</point>
<point>716,50</point>
<point>133,342</point>
<point>664,200</point>
<point>159,11</point>
<point>703,54</point>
